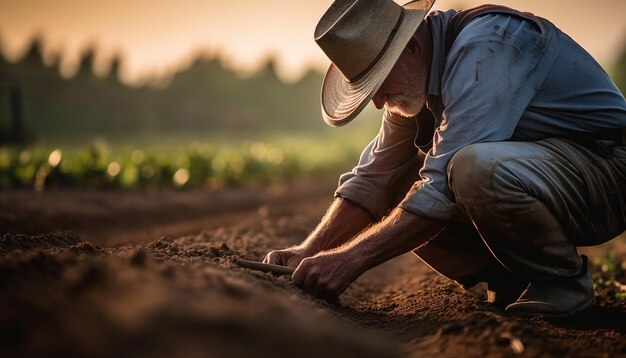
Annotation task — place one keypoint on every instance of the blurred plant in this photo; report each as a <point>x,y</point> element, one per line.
<point>198,165</point>
<point>609,275</point>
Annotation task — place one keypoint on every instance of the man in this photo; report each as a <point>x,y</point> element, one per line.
<point>500,152</point>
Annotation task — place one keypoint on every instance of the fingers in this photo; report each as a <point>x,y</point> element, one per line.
<point>274,257</point>
<point>311,279</point>
<point>305,275</point>
<point>308,277</point>
<point>299,274</point>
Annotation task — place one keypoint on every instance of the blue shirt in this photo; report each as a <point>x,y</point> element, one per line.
<point>504,78</point>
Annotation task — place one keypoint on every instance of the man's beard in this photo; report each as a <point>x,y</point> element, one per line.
<point>412,95</point>
<point>407,104</point>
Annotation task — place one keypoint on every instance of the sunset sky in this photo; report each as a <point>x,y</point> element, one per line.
<point>155,36</point>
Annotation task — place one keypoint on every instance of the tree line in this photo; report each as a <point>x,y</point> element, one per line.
<point>206,98</point>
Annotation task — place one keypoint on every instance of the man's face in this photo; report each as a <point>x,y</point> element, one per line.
<point>404,90</point>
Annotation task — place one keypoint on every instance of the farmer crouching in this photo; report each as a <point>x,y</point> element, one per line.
<point>500,152</point>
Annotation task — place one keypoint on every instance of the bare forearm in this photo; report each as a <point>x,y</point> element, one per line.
<point>400,232</point>
<point>327,274</point>
<point>342,221</point>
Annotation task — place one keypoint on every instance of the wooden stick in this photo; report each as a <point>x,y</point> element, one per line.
<point>259,266</point>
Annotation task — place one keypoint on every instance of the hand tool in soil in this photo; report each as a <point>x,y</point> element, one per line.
<point>259,266</point>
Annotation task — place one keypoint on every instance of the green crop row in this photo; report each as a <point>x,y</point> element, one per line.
<point>197,165</point>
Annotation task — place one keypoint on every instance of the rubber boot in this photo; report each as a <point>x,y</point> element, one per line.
<point>560,298</point>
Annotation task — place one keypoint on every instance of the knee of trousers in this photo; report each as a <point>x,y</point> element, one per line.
<point>476,175</point>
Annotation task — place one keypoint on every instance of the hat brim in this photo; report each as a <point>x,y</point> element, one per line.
<point>341,100</point>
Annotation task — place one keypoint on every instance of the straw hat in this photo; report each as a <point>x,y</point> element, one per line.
<point>363,39</point>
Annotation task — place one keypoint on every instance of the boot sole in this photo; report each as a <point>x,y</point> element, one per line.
<point>576,310</point>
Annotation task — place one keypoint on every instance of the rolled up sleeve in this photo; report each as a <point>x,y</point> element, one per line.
<point>384,167</point>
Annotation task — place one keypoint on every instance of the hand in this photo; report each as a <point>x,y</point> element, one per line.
<point>326,275</point>
<point>290,257</point>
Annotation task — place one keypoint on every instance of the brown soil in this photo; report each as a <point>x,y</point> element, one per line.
<point>152,274</point>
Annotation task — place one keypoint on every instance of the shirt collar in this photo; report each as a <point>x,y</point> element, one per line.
<point>438,22</point>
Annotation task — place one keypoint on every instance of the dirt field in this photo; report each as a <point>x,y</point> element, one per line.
<point>151,274</point>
